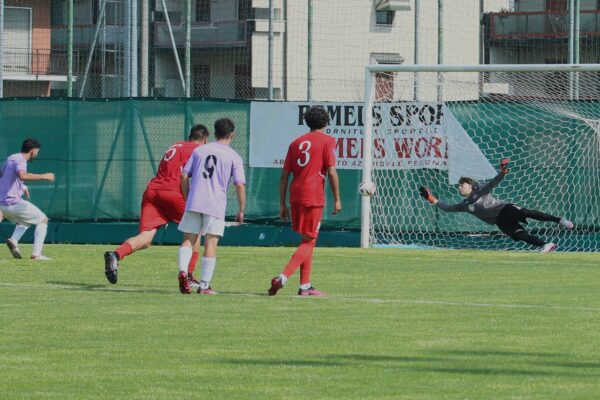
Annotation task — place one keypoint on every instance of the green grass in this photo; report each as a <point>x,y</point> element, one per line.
<point>397,324</point>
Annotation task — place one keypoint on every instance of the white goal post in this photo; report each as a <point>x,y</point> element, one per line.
<point>545,117</point>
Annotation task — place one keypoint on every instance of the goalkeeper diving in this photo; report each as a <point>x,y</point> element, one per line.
<point>508,217</point>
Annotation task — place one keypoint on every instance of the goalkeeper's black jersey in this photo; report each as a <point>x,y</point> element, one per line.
<point>480,202</point>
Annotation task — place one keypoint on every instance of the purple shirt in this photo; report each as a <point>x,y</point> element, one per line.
<point>11,186</point>
<point>211,168</point>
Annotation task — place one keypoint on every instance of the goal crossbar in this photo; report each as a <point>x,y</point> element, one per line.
<point>371,68</point>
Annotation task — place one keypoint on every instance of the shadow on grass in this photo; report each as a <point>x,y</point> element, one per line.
<point>382,358</point>
<point>494,353</point>
<point>444,365</point>
<point>104,288</point>
<point>283,362</point>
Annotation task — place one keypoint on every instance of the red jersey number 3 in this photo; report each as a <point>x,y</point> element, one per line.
<point>304,157</point>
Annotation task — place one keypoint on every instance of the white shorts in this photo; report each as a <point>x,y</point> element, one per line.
<point>23,213</point>
<point>201,224</point>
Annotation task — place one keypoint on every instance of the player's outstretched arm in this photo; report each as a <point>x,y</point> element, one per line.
<point>26,176</point>
<point>425,192</point>
<point>503,170</point>
<point>334,184</point>
<point>284,212</point>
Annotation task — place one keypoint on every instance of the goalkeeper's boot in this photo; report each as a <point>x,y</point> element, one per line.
<point>275,286</point>
<point>184,284</point>
<point>566,223</point>
<point>111,264</point>
<point>311,291</point>
<point>549,247</point>
<point>14,248</point>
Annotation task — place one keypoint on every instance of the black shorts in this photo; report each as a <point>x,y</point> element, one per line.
<point>510,219</point>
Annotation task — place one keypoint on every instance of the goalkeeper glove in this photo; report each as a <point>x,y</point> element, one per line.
<point>504,165</point>
<point>427,195</point>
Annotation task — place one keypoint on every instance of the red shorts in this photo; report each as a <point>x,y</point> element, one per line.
<point>159,207</point>
<point>306,220</point>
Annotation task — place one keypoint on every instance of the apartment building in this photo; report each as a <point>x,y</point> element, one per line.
<point>31,67</point>
<point>318,49</point>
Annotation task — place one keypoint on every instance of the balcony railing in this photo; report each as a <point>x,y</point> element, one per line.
<point>541,24</point>
<point>204,34</point>
<point>38,62</point>
<point>84,34</point>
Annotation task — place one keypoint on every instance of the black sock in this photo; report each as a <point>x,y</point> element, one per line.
<point>526,237</point>
<point>540,216</point>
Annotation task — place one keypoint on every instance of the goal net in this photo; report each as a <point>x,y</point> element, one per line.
<point>431,125</point>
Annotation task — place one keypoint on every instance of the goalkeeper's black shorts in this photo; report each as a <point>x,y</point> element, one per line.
<point>510,219</point>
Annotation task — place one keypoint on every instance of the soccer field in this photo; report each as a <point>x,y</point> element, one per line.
<point>397,324</point>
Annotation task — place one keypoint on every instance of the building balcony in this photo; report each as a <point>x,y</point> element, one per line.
<point>215,34</point>
<point>540,25</point>
<point>40,64</point>
<point>84,34</point>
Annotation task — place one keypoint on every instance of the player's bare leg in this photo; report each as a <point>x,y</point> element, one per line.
<point>300,256</point>
<point>184,257</point>
<point>209,261</point>
<point>111,258</point>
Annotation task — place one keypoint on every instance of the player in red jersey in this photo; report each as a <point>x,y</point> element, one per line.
<point>309,159</point>
<point>162,202</point>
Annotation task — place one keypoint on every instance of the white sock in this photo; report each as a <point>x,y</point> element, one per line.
<point>565,222</point>
<point>305,286</point>
<point>184,257</point>
<point>39,235</point>
<point>208,267</point>
<point>18,232</point>
<point>283,279</point>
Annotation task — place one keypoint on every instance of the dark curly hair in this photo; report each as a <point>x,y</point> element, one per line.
<point>316,118</point>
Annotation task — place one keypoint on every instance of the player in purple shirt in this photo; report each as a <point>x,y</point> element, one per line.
<point>12,205</point>
<point>211,167</point>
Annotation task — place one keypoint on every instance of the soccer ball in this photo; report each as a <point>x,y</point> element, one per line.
<point>367,188</point>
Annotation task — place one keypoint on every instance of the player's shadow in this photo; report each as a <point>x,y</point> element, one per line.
<point>545,359</point>
<point>380,358</point>
<point>494,353</point>
<point>248,294</point>
<point>449,364</point>
<point>283,362</point>
<point>103,288</point>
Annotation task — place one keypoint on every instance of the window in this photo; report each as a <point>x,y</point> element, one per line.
<point>201,81</point>
<point>556,5</point>
<point>243,82</point>
<point>384,17</point>
<point>202,10</point>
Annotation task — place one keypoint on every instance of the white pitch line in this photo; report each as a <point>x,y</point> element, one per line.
<point>52,286</point>
<point>430,260</point>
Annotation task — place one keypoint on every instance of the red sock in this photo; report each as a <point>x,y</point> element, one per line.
<point>124,250</point>
<point>303,252</point>
<point>306,269</point>
<point>193,261</point>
